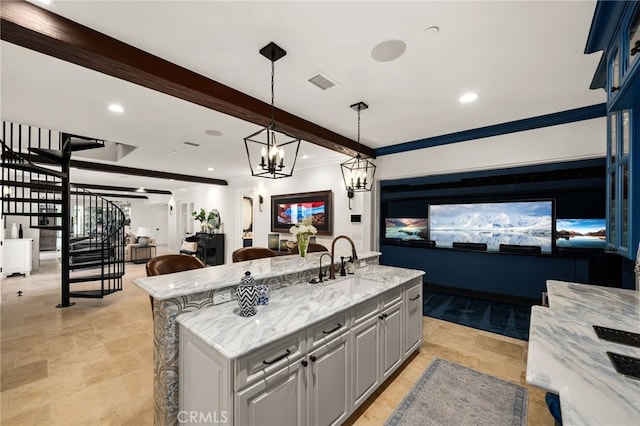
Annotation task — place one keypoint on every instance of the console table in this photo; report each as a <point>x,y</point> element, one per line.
<point>149,249</point>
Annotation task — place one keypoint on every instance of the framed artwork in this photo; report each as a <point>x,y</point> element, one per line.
<point>289,209</point>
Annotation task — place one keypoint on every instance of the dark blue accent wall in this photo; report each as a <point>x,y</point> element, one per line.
<point>518,276</point>
<point>578,187</point>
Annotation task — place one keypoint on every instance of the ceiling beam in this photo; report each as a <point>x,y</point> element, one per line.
<point>111,168</point>
<point>121,188</point>
<point>35,28</point>
<point>107,195</point>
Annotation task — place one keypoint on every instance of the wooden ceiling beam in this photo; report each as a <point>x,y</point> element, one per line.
<point>35,28</point>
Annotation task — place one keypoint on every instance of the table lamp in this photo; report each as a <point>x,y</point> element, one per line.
<point>144,235</point>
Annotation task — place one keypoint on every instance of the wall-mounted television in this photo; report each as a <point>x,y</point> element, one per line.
<point>526,223</point>
<point>581,233</point>
<point>406,229</point>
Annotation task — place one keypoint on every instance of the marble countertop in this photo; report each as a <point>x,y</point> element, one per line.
<point>566,357</point>
<point>168,286</point>
<point>290,309</point>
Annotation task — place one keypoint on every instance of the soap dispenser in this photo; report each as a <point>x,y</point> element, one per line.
<point>247,295</point>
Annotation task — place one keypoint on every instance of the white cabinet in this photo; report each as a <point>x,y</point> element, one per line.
<point>328,384</point>
<point>365,359</point>
<point>316,376</point>
<point>17,256</point>
<point>278,399</point>
<point>412,317</point>
<point>391,339</point>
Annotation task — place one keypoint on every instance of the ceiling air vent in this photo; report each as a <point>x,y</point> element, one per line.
<point>192,144</point>
<point>322,81</point>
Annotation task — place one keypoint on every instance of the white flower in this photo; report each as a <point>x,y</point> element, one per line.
<point>304,227</point>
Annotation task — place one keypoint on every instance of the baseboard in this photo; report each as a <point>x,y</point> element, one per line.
<point>516,300</point>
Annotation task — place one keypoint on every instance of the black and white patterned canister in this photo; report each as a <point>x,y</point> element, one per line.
<point>247,295</point>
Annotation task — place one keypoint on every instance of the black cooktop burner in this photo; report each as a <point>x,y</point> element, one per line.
<point>624,364</point>
<point>618,336</point>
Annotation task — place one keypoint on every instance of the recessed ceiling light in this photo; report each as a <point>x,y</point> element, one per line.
<point>468,97</point>
<point>210,169</point>
<point>388,50</point>
<point>305,156</point>
<point>213,132</point>
<point>140,190</point>
<point>173,151</point>
<point>46,1</point>
<point>116,108</point>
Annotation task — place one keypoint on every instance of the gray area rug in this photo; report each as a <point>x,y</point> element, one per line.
<point>450,394</point>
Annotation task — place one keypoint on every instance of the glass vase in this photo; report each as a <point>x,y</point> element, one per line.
<point>303,244</point>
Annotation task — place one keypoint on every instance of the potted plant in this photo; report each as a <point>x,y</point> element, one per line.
<point>207,221</point>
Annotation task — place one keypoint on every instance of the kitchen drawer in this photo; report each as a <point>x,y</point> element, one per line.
<point>326,330</point>
<point>391,297</point>
<point>364,310</point>
<point>259,364</point>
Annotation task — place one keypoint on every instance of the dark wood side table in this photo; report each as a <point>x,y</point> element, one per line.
<point>149,251</point>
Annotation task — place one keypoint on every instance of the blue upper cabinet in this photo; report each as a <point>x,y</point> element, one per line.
<point>615,30</point>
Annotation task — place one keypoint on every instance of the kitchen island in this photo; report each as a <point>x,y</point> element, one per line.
<point>311,356</point>
<point>189,291</point>
<point>567,358</point>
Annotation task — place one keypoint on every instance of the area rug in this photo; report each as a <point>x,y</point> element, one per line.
<point>497,317</point>
<point>450,394</point>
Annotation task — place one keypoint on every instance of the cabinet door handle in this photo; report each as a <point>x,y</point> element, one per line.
<point>284,355</point>
<point>313,358</point>
<point>383,316</point>
<point>305,363</point>
<point>338,327</point>
<point>415,298</point>
<point>614,89</point>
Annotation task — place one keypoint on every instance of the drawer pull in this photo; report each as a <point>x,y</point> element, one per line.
<point>338,327</point>
<point>284,355</point>
<point>415,298</point>
<point>383,316</point>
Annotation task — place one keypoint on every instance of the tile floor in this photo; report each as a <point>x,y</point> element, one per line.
<point>91,364</point>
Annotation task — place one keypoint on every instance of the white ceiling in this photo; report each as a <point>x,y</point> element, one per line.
<point>524,59</point>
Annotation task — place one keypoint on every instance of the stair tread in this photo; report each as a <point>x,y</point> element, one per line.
<point>87,278</point>
<point>93,264</point>
<point>52,228</point>
<point>79,143</point>
<point>93,294</point>
<point>89,250</point>
<point>27,167</point>
<point>31,200</point>
<point>52,154</point>
<point>51,188</point>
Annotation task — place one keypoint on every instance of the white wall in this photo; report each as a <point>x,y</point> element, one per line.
<point>574,141</point>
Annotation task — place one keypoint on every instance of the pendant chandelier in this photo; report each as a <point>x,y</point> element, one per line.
<point>358,172</point>
<point>272,153</point>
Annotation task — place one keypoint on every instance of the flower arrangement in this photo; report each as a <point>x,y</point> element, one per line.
<point>207,221</point>
<point>304,227</point>
<point>303,230</point>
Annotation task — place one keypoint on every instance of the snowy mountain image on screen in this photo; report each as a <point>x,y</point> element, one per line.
<point>521,223</point>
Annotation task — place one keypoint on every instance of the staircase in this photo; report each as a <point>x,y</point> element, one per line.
<point>35,183</point>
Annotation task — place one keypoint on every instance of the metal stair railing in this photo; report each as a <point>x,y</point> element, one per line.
<point>44,195</point>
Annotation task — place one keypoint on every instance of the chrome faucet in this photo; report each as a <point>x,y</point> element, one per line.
<point>354,256</point>
<point>320,275</point>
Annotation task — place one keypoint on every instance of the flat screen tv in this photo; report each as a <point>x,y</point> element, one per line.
<point>581,233</point>
<point>406,229</point>
<point>527,223</point>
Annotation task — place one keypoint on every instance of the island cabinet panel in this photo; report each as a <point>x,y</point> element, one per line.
<point>316,376</point>
<point>328,384</point>
<point>391,339</point>
<point>278,399</point>
<point>413,317</point>
<point>205,377</point>
<point>365,364</point>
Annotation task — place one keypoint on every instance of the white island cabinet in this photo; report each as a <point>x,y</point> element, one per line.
<point>310,357</point>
